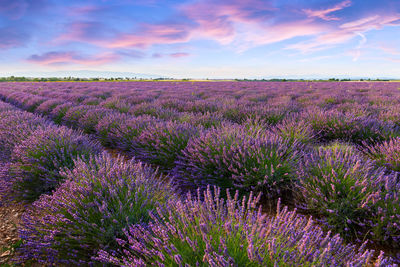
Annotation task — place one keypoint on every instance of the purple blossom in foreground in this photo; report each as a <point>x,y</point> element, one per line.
<point>89,211</point>
<point>337,184</point>
<point>234,156</point>
<point>40,157</point>
<point>209,231</point>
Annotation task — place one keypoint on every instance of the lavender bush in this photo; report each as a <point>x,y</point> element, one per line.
<point>15,126</point>
<point>40,157</point>
<point>295,130</point>
<point>338,185</point>
<point>99,199</point>
<point>215,232</point>
<point>385,154</point>
<point>58,113</point>
<point>234,156</point>
<point>161,143</point>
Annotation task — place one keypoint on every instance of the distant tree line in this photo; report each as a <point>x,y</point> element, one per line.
<point>76,79</point>
<point>312,80</point>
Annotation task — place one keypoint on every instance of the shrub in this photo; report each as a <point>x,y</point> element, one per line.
<point>5,106</point>
<point>154,110</point>
<point>339,186</point>
<point>295,130</point>
<point>74,114</point>
<point>47,106</point>
<point>40,157</point>
<point>117,104</point>
<point>91,118</point>
<point>58,113</point>
<point>234,156</point>
<point>385,154</point>
<point>213,232</point>
<point>385,226</point>
<point>15,126</point>
<point>107,129</point>
<point>372,130</point>
<point>161,143</point>
<point>99,199</point>
<point>330,125</point>
<point>206,120</point>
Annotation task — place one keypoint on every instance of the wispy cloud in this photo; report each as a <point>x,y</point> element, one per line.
<point>324,13</point>
<point>345,32</point>
<point>68,57</point>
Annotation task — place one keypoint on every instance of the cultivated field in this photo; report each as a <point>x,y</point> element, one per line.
<point>200,173</point>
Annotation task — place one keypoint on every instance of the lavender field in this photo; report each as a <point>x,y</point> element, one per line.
<point>176,173</point>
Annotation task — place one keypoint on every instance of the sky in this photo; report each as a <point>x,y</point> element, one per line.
<point>202,38</point>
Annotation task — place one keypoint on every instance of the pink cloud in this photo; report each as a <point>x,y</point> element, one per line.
<point>85,31</point>
<point>173,55</point>
<point>219,19</point>
<point>389,49</point>
<point>61,58</point>
<point>323,13</point>
<point>345,32</point>
<point>179,55</point>
<point>150,34</point>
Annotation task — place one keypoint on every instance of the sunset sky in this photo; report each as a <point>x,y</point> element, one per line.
<point>202,38</point>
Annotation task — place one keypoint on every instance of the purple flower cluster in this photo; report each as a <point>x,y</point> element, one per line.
<point>100,198</point>
<point>209,231</point>
<point>385,154</point>
<point>39,158</point>
<point>353,197</point>
<point>295,130</point>
<point>161,143</point>
<point>15,126</point>
<point>246,135</point>
<point>235,156</point>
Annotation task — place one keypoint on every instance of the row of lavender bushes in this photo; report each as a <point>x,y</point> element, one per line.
<point>276,160</point>
<point>109,210</point>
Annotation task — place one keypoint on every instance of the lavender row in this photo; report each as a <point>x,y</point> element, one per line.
<point>245,160</point>
<point>106,203</point>
<point>334,119</point>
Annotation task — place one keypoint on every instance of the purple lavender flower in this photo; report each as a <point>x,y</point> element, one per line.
<point>208,231</point>
<point>89,211</point>
<point>39,158</point>
<point>161,143</point>
<point>235,156</point>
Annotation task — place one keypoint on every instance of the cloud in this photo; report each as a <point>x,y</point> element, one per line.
<point>389,49</point>
<point>85,31</point>
<point>11,37</point>
<point>324,13</point>
<point>219,19</point>
<point>179,55</point>
<point>173,55</point>
<point>16,9</point>
<point>68,57</point>
<point>150,34</point>
<point>345,32</point>
<point>236,24</point>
